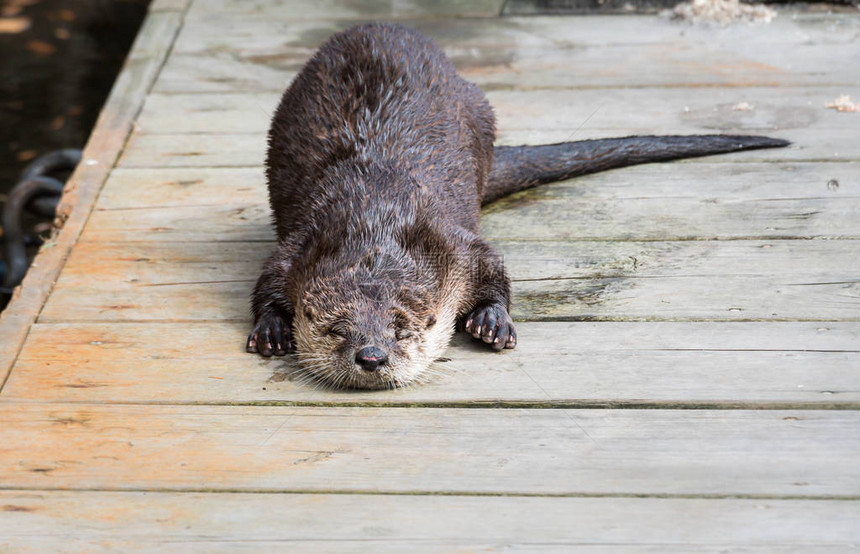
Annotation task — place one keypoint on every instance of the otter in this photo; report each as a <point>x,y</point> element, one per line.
<point>380,157</point>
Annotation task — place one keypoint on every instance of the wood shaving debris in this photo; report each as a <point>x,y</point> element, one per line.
<point>843,104</point>
<point>722,12</point>
<point>743,107</point>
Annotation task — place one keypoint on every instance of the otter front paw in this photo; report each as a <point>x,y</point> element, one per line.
<point>272,335</point>
<point>493,325</point>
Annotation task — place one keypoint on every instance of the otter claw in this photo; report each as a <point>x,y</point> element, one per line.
<point>493,325</point>
<point>271,336</point>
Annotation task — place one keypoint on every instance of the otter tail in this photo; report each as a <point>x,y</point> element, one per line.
<point>516,168</point>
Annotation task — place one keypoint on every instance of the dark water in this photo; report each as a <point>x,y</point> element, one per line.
<point>58,61</point>
<point>56,74</point>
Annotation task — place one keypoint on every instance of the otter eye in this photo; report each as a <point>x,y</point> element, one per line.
<point>402,334</point>
<point>431,321</point>
<point>337,331</point>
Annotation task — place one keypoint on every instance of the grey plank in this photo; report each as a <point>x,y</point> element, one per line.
<point>105,521</point>
<point>574,112</point>
<point>674,201</point>
<point>711,201</point>
<point>248,149</point>
<point>561,452</point>
<point>240,53</point>
<point>297,10</point>
<point>194,150</point>
<point>250,31</point>
<point>687,280</point>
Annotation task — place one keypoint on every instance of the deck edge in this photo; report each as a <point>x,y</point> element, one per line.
<point>101,153</point>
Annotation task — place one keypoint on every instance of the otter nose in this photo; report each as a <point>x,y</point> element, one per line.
<point>371,357</point>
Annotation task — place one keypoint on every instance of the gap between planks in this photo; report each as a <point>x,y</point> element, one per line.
<point>375,493</point>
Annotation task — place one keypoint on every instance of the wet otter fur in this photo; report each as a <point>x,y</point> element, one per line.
<point>380,157</point>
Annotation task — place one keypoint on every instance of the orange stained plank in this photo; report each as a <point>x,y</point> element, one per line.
<point>556,364</point>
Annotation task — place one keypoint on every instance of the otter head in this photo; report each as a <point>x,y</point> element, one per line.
<point>376,323</point>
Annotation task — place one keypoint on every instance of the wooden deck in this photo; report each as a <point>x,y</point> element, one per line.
<point>688,371</point>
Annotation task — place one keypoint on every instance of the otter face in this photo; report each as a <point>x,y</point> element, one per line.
<point>370,333</point>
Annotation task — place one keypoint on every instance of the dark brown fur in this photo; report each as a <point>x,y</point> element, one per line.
<point>379,159</point>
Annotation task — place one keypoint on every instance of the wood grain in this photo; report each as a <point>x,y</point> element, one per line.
<point>266,52</point>
<point>653,202</point>
<point>234,31</point>
<point>191,150</point>
<point>584,364</point>
<point>686,280</point>
<point>431,450</point>
<point>297,10</point>
<point>726,416</point>
<point>220,522</point>
<point>574,112</point>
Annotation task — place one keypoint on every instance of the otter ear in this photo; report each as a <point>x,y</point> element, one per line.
<point>430,321</point>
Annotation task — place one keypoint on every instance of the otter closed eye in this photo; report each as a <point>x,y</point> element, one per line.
<point>379,159</point>
<point>337,332</point>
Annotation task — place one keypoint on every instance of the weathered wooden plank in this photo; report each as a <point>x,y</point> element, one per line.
<point>717,218</point>
<point>567,216</point>
<point>576,112</point>
<point>133,189</point>
<point>104,145</point>
<point>812,143</point>
<point>164,264</point>
<point>653,202</point>
<point>169,5</point>
<point>662,64</point>
<point>297,10</point>
<point>195,150</point>
<point>708,110</point>
<point>248,149</point>
<point>202,222</point>
<point>690,298</point>
<point>234,448</point>
<point>250,53</point>
<point>700,280</point>
<point>689,365</point>
<point>250,32</point>
<point>709,183</point>
<point>97,521</point>
<point>207,113</point>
